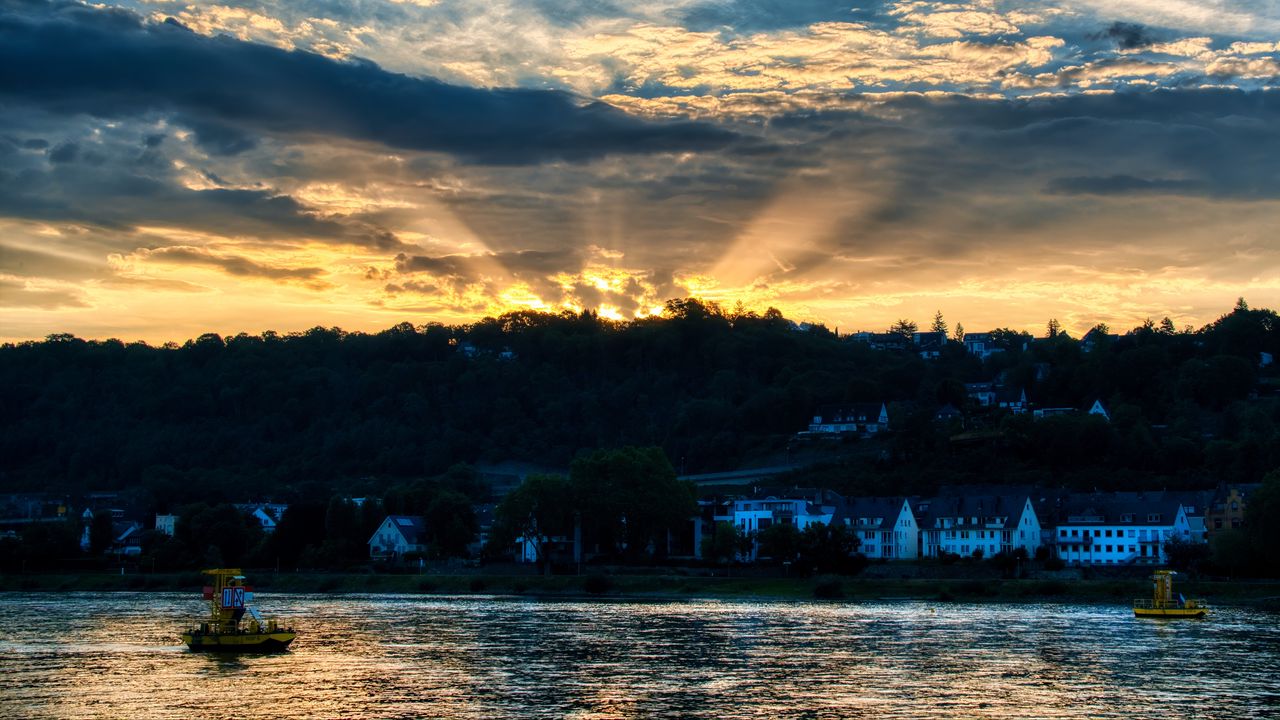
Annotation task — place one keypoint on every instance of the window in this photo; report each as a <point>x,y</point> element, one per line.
<point>1153,517</point>
<point>1108,533</point>
<point>1235,506</point>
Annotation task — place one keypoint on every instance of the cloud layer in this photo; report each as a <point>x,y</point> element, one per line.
<point>168,168</point>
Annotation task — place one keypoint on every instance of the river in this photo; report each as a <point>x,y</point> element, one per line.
<point>116,655</point>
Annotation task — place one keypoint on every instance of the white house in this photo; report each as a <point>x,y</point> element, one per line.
<point>752,515</point>
<point>166,524</point>
<point>398,536</point>
<point>977,523</point>
<point>758,514</point>
<point>266,514</point>
<point>1120,528</point>
<point>1099,409</point>
<point>886,528</point>
<point>861,418</point>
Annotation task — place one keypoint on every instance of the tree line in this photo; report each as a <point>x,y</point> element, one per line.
<point>323,413</point>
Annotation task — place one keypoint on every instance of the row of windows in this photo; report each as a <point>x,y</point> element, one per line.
<point>1101,548</point>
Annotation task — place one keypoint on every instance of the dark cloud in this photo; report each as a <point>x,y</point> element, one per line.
<point>70,58</point>
<point>1128,36</point>
<point>524,263</point>
<point>231,264</point>
<point>1125,185</point>
<point>64,153</point>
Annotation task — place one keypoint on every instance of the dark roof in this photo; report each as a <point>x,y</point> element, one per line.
<point>948,411</point>
<point>884,508</point>
<point>854,412</point>
<point>1119,508</point>
<point>982,502</point>
<point>412,527</point>
<point>1008,394</point>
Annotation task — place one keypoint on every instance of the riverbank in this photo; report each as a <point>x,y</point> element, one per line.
<point>1252,593</point>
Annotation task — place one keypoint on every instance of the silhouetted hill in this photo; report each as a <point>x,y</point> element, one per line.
<point>227,417</point>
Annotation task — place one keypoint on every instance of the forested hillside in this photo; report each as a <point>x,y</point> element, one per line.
<point>220,418</point>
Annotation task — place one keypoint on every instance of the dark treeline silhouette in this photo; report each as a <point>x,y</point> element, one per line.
<point>300,416</point>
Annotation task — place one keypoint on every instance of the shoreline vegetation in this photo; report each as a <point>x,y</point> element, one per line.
<point>1255,594</point>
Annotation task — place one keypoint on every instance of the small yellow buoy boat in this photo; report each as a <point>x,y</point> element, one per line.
<point>225,632</point>
<point>1164,604</point>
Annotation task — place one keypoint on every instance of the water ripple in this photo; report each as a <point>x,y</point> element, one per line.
<point>110,655</point>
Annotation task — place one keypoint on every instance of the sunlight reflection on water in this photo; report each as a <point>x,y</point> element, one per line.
<point>112,655</point>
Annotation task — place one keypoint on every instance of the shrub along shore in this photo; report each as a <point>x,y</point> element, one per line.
<point>1265,594</point>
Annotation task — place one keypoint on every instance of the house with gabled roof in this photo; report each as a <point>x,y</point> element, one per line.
<point>1012,399</point>
<point>929,345</point>
<point>1226,507</point>
<point>399,536</point>
<point>1121,528</point>
<point>885,527</point>
<point>977,521</point>
<point>881,341</point>
<point>983,394</point>
<point>982,345</point>
<point>865,419</point>
<point>1100,410</point>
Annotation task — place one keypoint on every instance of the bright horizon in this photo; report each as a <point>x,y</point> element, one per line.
<point>170,168</point>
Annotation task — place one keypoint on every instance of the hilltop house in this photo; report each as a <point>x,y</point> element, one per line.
<point>983,345</point>
<point>399,536</point>
<point>267,515</point>
<point>929,345</point>
<point>983,394</point>
<point>1012,399</point>
<point>865,419</point>
<point>880,341</point>
<point>885,527</point>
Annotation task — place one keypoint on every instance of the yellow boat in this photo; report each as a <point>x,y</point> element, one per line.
<point>1164,604</point>
<point>229,598</point>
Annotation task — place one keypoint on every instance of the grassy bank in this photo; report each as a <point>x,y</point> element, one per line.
<point>1265,594</point>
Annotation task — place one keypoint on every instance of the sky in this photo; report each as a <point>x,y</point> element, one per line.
<point>173,168</point>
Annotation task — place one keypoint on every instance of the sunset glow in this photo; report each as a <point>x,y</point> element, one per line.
<point>172,168</point>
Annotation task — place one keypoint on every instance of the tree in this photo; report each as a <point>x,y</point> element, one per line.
<point>830,549</point>
<point>536,511</point>
<point>1166,327</point>
<point>630,498</point>
<point>959,336</point>
<point>1054,328</point>
<point>721,546</point>
<point>939,325</point>
<point>905,328</point>
<point>779,542</point>
<point>1262,524</point>
<point>451,524</point>
<point>101,533</point>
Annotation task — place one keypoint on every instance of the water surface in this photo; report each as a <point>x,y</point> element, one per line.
<point>114,655</point>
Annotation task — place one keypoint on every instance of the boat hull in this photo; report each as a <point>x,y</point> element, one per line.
<point>239,642</point>
<point>1171,613</point>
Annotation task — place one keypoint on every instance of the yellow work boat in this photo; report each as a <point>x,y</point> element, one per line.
<point>226,631</point>
<point>1164,604</point>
